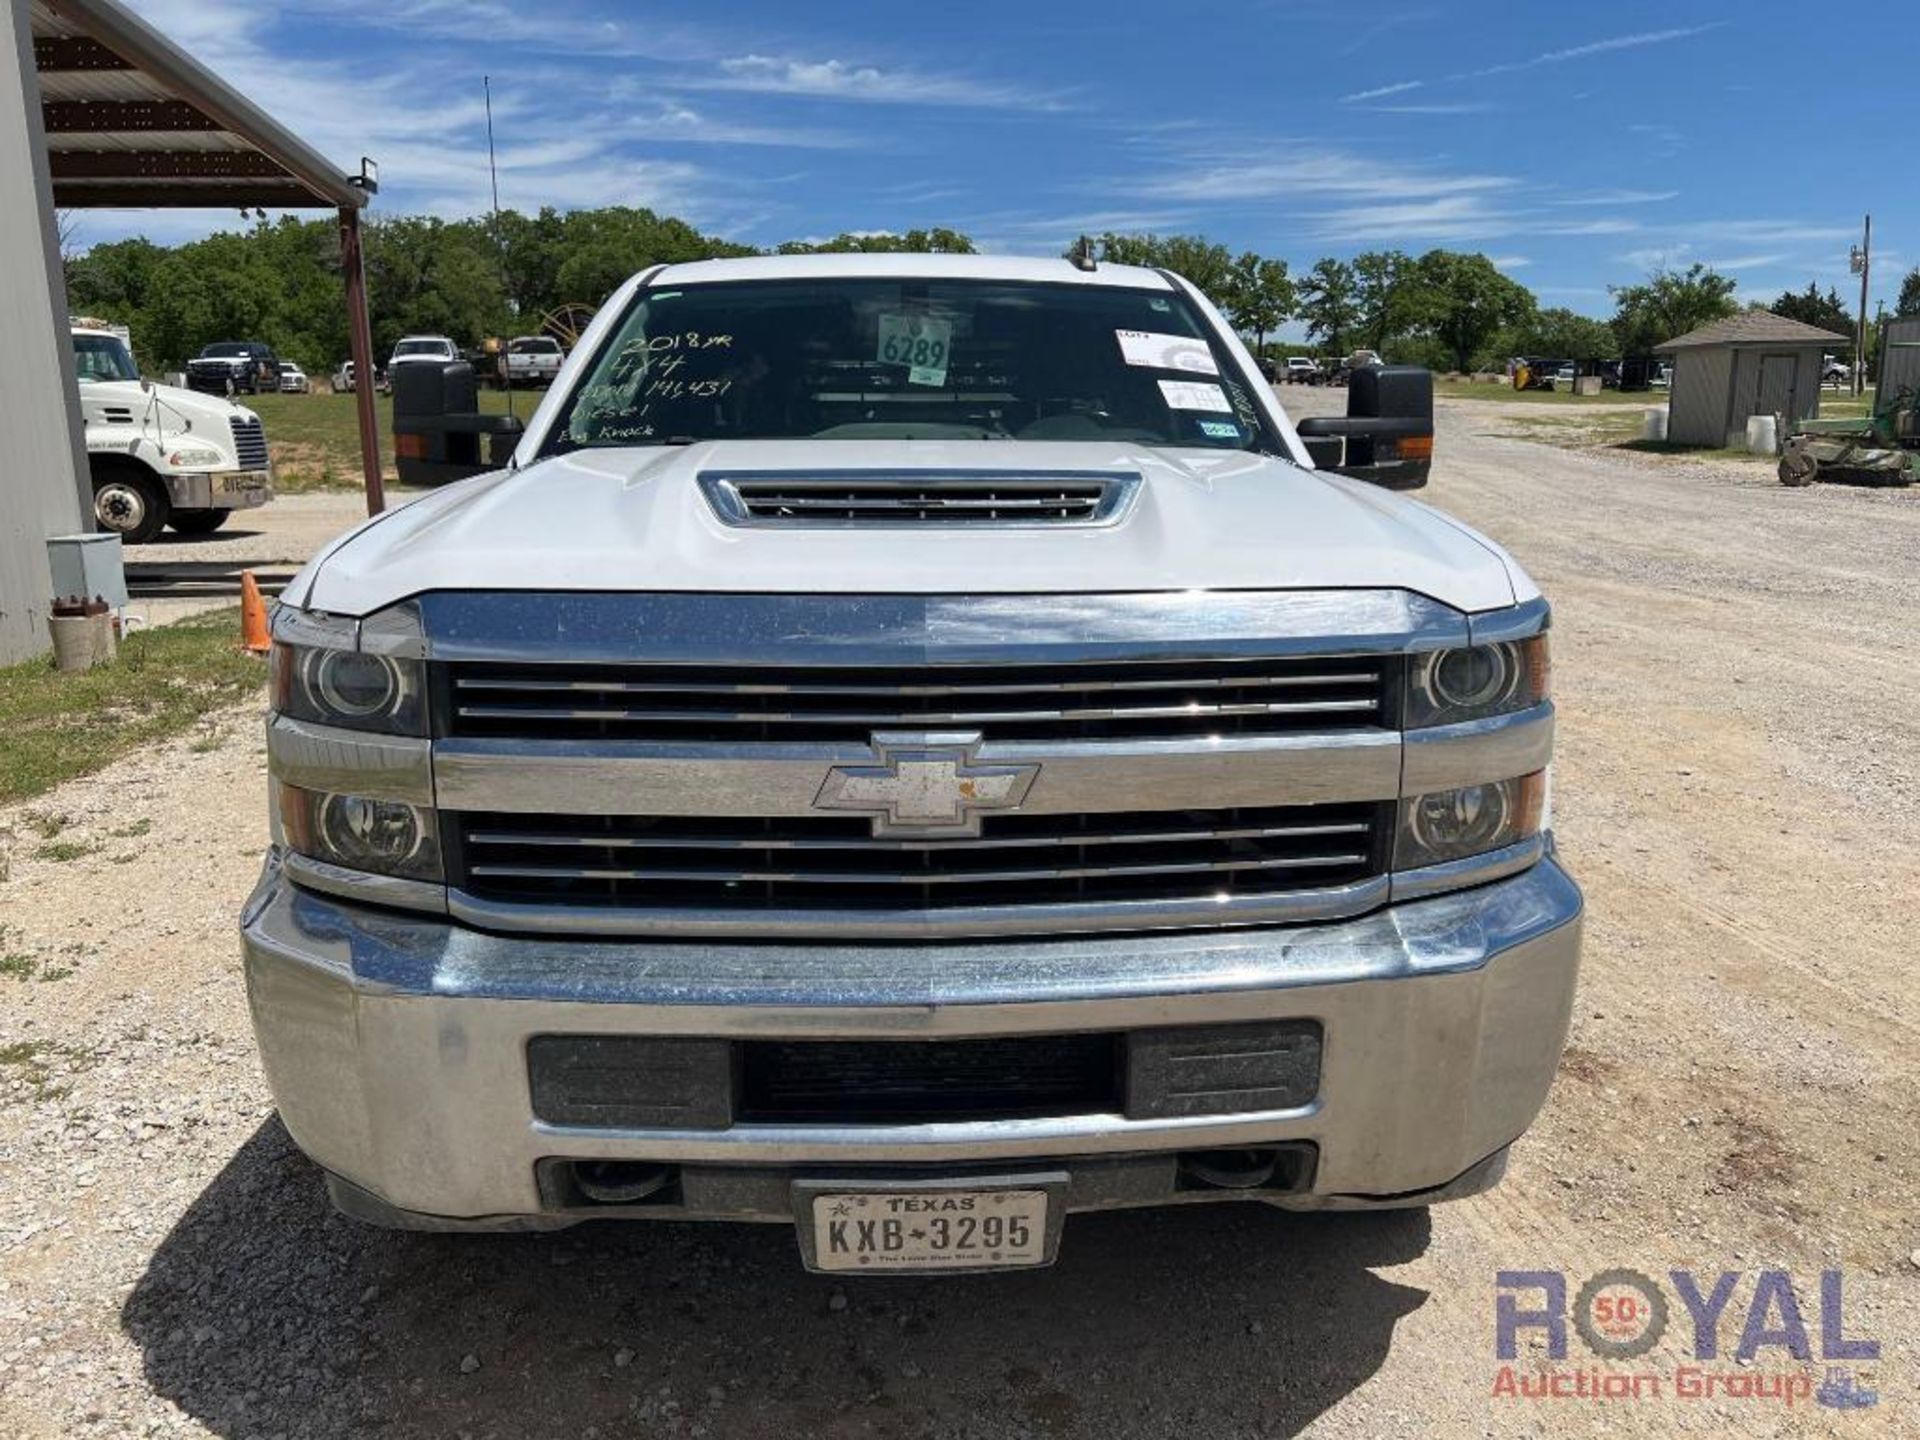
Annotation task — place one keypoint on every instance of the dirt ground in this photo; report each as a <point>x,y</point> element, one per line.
<point>1738,788</point>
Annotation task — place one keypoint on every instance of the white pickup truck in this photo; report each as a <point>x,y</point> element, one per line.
<point>160,455</point>
<point>534,360</point>
<point>913,747</point>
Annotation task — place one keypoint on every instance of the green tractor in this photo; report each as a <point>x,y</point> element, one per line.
<point>1882,449</point>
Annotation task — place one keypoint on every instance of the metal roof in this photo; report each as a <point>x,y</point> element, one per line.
<point>133,120</point>
<point>1754,327</point>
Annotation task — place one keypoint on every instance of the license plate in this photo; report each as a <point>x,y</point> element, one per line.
<point>919,1226</point>
<point>243,483</point>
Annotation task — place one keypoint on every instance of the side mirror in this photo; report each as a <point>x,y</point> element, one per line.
<point>1386,436</point>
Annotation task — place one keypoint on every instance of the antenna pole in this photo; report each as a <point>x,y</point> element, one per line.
<point>493,172</point>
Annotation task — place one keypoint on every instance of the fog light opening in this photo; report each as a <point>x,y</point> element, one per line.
<point>1230,1169</point>
<point>620,1182</point>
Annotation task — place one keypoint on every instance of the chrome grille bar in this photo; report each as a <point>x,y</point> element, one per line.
<point>1149,699</point>
<point>868,842</point>
<point>794,865</point>
<point>873,877</point>
<point>879,720</point>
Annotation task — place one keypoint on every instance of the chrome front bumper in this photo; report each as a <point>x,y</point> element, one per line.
<point>395,1044</point>
<point>202,490</point>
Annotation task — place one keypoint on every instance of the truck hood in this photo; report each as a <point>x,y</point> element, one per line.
<point>175,410</point>
<point>637,520</point>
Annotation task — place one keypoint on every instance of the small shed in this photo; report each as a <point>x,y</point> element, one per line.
<point>1753,363</point>
<point>1899,355</point>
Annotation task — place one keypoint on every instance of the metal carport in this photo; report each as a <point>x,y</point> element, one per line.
<point>98,109</point>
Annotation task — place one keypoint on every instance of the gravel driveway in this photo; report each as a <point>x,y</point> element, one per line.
<point>1737,785</point>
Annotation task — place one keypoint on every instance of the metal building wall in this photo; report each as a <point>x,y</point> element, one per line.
<point>43,471</point>
<point>1697,402</point>
<point>1900,367</point>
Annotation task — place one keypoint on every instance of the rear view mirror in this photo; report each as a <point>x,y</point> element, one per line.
<point>1386,436</point>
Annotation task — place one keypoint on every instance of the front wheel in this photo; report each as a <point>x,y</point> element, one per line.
<point>1798,467</point>
<point>134,507</point>
<point>199,522</point>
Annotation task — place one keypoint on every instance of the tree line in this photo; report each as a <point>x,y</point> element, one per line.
<point>501,275</point>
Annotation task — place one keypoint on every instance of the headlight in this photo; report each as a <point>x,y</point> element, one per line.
<point>1473,682</point>
<point>324,672</point>
<point>1454,824</point>
<point>195,456</point>
<point>383,837</point>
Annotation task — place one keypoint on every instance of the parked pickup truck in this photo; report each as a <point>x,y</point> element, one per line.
<point>534,360</point>
<point>232,367</point>
<point>912,747</point>
<point>160,455</point>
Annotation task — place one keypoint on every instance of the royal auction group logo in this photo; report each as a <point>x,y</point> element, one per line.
<point>1622,1315</point>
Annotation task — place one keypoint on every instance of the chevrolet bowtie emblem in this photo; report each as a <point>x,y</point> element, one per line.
<point>925,783</point>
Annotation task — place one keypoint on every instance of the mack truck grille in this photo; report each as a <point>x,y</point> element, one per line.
<point>250,442</point>
<point>1136,700</point>
<point>837,863</point>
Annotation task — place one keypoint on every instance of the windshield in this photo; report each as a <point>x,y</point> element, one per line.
<point>103,357</point>
<point>911,360</point>
<point>224,348</point>
<point>422,347</point>
<point>534,347</point>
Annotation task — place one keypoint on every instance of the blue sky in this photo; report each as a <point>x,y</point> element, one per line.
<point>1577,145</point>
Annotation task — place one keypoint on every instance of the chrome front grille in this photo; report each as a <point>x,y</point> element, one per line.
<point>1196,700</point>
<point>863,499</point>
<point>801,864</point>
<point>250,441</point>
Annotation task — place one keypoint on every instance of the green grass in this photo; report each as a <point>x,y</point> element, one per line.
<point>1693,452</point>
<point>55,726</point>
<point>1618,430</point>
<point>63,850</point>
<point>1839,405</point>
<point>1462,389</point>
<point>315,439</point>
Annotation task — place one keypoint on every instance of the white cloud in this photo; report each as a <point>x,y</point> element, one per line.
<point>1770,232</point>
<point>1511,262</point>
<point>676,123</point>
<point>1437,107</point>
<point>1381,92</point>
<point>1593,47</point>
<point>841,80</point>
<point>1304,171</point>
<point>1617,197</point>
<point>1746,262</point>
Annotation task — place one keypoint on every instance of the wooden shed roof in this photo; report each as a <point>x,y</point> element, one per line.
<point>1753,327</point>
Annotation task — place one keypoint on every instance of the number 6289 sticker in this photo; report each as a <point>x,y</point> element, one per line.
<point>920,342</point>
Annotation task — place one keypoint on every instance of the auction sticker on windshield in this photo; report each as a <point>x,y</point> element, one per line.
<point>1194,395</point>
<point>924,1228</point>
<point>1166,352</point>
<point>920,342</point>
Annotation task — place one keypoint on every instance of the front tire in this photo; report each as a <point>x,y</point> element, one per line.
<point>131,505</point>
<point>1798,467</point>
<point>199,522</point>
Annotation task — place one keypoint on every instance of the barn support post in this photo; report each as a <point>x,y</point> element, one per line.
<point>360,343</point>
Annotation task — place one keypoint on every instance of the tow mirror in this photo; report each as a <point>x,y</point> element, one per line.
<point>1386,436</point>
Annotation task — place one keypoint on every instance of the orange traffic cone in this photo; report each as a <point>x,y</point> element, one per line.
<point>253,616</point>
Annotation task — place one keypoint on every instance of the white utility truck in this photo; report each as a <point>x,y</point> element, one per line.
<point>160,455</point>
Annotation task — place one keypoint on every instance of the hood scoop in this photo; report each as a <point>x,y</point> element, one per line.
<point>918,499</point>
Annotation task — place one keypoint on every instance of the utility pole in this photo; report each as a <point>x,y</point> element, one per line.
<point>1861,263</point>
